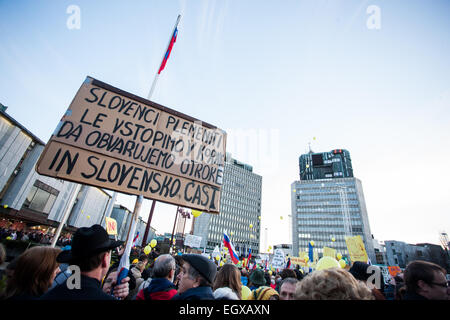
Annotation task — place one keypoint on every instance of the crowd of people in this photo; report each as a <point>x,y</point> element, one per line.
<point>44,273</point>
<point>36,236</point>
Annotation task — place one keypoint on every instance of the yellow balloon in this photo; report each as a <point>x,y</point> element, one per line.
<point>327,263</point>
<point>231,233</point>
<point>333,239</point>
<point>135,261</point>
<point>306,259</point>
<point>339,256</point>
<point>245,292</point>
<point>147,250</point>
<point>281,217</point>
<point>259,217</point>
<point>312,243</point>
<point>5,206</point>
<point>88,217</point>
<point>270,272</point>
<point>251,226</point>
<point>196,213</point>
<point>221,263</point>
<point>342,263</point>
<point>153,243</point>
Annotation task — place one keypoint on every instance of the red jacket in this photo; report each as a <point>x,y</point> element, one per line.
<point>158,289</point>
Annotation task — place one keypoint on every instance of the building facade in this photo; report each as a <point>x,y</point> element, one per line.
<point>399,253</point>
<point>240,210</point>
<point>328,204</point>
<point>28,199</point>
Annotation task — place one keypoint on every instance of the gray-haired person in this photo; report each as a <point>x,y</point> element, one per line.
<point>161,286</point>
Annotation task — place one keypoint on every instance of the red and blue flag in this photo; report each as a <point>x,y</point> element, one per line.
<point>169,49</point>
<point>227,243</point>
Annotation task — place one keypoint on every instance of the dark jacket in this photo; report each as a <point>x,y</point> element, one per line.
<point>158,289</point>
<point>199,293</point>
<point>413,296</point>
<point>90,289</point>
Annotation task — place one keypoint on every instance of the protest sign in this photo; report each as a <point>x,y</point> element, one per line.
<point>111,226</point>
<point>356,249</point>
<point>113,139</point>
<point>192,241</point>
<point>278,261</point>
<point>329,252</point>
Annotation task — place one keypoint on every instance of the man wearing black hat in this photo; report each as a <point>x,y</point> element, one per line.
<point>196,278</point>
<point>91,252</point>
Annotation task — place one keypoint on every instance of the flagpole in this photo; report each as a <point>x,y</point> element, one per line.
<point>157,72</point>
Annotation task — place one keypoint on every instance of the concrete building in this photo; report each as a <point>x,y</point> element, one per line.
<point>240,210</point>
<point>328,204</point>
<point>123,218</point>
<point>399,253</point>
<point>28,199</point>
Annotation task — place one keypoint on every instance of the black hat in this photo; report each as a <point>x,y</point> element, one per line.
<point>203,265</point>
<point>359,270</point>
<point>88,242</point>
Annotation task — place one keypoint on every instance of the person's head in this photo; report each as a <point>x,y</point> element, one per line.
<point>229,276</point>
<point>370,275</point>
<point>287,289</point>
<point>164,267</point>
<point>288,273</point>
<point>264,293</point>
<point>90,251</point>
<point>196,271</point>
<point>257,278</point>
<point>144,259</point>
<point>426,279</point>
<point>244,272</point>
<point>331,284</point>
<point>34,272</point>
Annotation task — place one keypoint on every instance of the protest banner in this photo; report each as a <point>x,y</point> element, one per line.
<point>298,261</point>
<point>356,249</point>
<point>113,139</point>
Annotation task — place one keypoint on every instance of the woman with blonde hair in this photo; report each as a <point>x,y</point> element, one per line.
<point>227,285</point>
<point>331,284</point>
<point>34,273</point>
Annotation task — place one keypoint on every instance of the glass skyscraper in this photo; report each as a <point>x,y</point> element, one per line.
<point>328,204</point>
<point>240,207</point>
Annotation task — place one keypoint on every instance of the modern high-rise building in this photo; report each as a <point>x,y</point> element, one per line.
<point>240,210</point>
<point>328,204</point>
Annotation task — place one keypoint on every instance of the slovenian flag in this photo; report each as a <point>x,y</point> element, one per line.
<point>169,49</point>
<point>227,243</point>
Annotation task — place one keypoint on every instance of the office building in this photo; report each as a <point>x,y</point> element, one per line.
<point>240,210</point>
<point>328,204</point>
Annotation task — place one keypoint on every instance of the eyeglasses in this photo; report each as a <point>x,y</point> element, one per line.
<point>444,285</point>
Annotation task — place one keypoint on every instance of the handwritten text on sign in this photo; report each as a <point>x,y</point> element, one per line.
<point>114,125</point>
<point>112,139</point>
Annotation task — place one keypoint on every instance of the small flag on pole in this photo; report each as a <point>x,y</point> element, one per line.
<point>169,49</point>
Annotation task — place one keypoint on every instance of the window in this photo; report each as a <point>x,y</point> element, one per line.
<point>41,197</point>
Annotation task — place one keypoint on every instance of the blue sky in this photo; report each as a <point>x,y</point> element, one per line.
<point>283,72</point>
